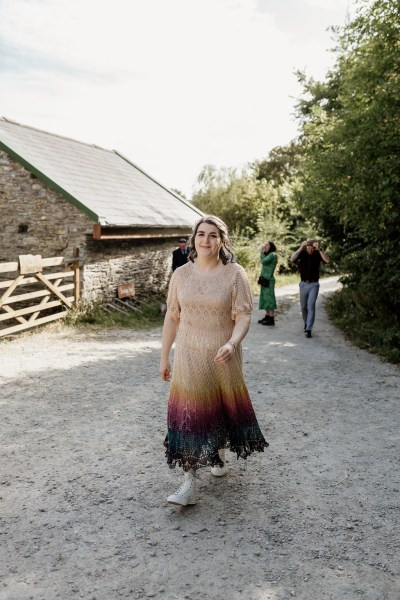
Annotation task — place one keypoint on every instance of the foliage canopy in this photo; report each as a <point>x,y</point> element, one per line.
<point>351,153</point>
<point>339,181</point>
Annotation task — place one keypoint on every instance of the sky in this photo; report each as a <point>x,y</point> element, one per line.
<point>171,84</point>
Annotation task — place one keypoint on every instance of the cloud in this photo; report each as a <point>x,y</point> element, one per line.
<point>305,20</point>
<point>23,62</point>
<point>172,84</point>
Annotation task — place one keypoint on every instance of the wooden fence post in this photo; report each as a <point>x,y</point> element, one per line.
<point>76,268</point>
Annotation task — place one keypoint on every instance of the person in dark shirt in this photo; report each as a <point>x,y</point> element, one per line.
<point>180,255</point>
<point>309,257</point>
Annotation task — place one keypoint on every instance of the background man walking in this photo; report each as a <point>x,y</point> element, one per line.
<point>309,257</point>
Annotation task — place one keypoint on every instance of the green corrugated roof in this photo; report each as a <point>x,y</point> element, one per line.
<point>106,186</point>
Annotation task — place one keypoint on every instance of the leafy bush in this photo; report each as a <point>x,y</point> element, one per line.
<point>353,312</point>
<point>351,156</point>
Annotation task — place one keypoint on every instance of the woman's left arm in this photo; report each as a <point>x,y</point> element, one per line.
<point>242,325</point>
<point>325,258</point>
<point>265,260</point>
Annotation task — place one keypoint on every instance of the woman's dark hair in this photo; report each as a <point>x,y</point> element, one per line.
<point>225,252</point>
<point>272,248</point>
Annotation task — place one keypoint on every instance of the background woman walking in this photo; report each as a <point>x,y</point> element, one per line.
<point>267,302</point>
<point>209,311</point>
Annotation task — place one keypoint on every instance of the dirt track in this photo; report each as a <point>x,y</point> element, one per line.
<point>84,480</point>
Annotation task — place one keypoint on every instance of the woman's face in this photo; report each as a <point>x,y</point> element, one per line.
<point>266,246</point>
<point>207,241</point>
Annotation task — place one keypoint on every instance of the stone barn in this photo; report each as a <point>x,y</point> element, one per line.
<point>59,194</point>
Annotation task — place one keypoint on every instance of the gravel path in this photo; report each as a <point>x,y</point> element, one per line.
<point>84,480</point>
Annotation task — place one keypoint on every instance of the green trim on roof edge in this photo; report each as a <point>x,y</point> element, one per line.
<point>50,183</point>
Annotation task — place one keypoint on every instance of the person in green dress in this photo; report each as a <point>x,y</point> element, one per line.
<point>268,259</point>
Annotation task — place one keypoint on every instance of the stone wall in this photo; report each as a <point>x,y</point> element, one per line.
<point>37,220</point>
<point>109,263</point>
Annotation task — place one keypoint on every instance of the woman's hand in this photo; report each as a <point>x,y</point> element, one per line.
<point>165,370</point>
<point>224,354</point>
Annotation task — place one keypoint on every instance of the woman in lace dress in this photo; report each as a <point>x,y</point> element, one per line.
<point>209,311</point>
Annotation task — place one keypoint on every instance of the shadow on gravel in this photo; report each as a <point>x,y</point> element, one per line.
<point>84,484</point>
<point>84,478</point>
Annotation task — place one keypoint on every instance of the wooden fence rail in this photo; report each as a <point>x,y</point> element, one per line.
<point>57,291</point>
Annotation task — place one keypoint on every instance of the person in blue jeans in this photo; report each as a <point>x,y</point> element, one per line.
<point>309,257</point>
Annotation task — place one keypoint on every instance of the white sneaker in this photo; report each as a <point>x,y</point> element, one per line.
<point>186,494</point>
<point>217,470</point>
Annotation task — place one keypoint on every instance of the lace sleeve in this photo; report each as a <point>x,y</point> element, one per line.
<point>172,299</point>
<point>242,297</point>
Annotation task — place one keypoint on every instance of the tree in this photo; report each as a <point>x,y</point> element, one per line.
<point>237,199</point>
<point>282,164</point>
<point>255,209</point>
<point>351,152</point>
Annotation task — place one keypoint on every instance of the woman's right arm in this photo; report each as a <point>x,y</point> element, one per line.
<point>170,329</point>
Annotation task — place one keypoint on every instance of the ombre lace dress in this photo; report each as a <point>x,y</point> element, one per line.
<point>209,406</point>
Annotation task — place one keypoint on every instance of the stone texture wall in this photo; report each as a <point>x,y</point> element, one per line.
<point>110,263</point>
<point>37,220</point>
<point>34,217</point>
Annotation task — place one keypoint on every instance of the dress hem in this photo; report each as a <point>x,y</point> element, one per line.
<point>211,460</point>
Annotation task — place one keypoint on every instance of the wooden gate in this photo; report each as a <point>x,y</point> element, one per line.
<point>48,293</point>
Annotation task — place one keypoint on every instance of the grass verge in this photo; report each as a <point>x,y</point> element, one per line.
<point>377,333</point>
<point>95,317</point>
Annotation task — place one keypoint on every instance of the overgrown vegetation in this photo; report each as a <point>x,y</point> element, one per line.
<point>257,209</point>
<point>96,317</point>
<point>377,333</point>
<point>350,164</point>
<point>338,182</point>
